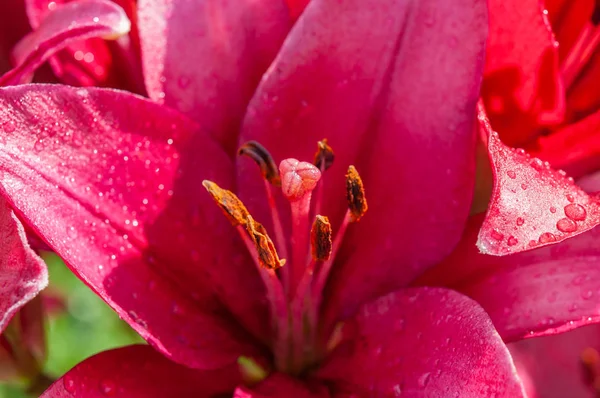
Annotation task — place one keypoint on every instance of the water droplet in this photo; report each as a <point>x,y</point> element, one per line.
<point>72,232</point>
<point>566,225</point>
<point>523,186</point>
<point>69,383</point>
<point>537,164</point>
<point>424,379</point>
<point>587,294</point>
<point>570,198</point>
<point>573,308</point>
<point>520,221</point>
<point>496,235</point>
<point>575,212</point>
<point>511,174</point>
<point>512,241</point>
<point>108,387</point>
<point>553,209</point>
<point>547,237</point>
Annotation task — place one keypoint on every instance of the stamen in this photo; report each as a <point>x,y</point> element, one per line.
<point>323,160</point>
<point>231,205</point>
<point>320,239</point>
<point>267,255</point>
<point>324,156</point>
<point>355,193</point>
<point>298,179</point>
<point>251,371</point>
<point>263,159</point>
<point>270,173</point>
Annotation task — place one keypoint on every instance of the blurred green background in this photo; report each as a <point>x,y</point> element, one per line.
<point>84,327</point>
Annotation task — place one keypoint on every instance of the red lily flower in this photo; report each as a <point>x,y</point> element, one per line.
<point>92,61</point>
<point>119,179</point>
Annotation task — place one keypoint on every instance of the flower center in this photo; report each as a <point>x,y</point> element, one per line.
<point>294,284</point>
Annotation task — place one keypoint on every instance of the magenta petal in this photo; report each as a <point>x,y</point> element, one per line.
<point>422,342</point>
<point>69,23</point>
<point>280,385</point>
<point>523,87</point>
<point>22,273</point>
<point>543,291</point>
<point>417,155</point>
<point>532,205</point>
<point>551,366</point>
<point>139,371</point>
<point>119,179</point>
<point>13,26</point>
<point>205,58</point>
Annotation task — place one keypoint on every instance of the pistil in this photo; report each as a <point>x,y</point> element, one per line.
<point>298,180</point>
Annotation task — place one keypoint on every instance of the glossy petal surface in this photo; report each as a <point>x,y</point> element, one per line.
<point>71,22</point>
<point>543,291</point>
<point>205,58</point>
<point>522,87</point>
<point>410,158</point>
<point>94,62</point>
<point>551,367</point>
<point>112,183</point>
<point>574,148</point>
<point>281,385</point>
<point>136,372</point>
<point>22,273</point>
<point>532,205</point>
<point>422,342</point>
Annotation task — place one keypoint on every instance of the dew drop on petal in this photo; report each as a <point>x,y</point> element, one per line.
<point>511,174</point>
<point>575,212</point>
<point>547,237</point>
<point>520,221</point>
<point>108,387</point>
<point>424,379</point>
<point>553,209</point>
<point>566,225</point>
<point>496,235</point>
<point>512,241</point>
<point>69,383</point>
<point>570,198</point>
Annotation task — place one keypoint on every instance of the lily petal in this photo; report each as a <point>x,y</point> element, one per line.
<point>281,385</point>
<point>532,205</point>
<point>422,342</point>
<point>71,22</point>
<point>568,19</point>
<point>551,366</point>
<point>123,208</point>
<point>226,46</point>
<point>574,148</point>
<point>522,86</point>
<point>95,61</point>
<point>138,371</point>
<point>13,26</point>
<point>418,167</point>
<point>22,273</point>
<point>539,292</point>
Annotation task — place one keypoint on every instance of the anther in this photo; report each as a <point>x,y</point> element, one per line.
<point>267,255</point>
<point>590,361</point>
<point>231,205</point>
<point>297,178</point>
<point>324,156</point>
<point>355,194</point>
<point>320,239</point>
<point>263,159</point>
